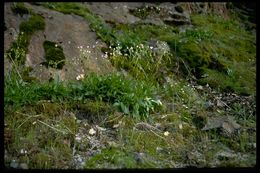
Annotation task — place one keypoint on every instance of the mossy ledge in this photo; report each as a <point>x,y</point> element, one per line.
<point>19,8</point>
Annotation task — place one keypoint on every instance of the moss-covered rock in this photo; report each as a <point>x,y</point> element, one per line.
<point>19,48</point>
<point>19,8</point>
<point>36,22</point>
<point>25,75</point>
<point>54,54</point>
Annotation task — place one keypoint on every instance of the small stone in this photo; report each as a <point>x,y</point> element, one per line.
<point>112,144</point>
<point>220,103</point>
<point>23,166</point>
<point>14,164</point>
<point>139,157</point>
<point>115,126</point>
<point>200,87</point>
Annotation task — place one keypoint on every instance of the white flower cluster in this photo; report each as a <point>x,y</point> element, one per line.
<point>80,77</point>
<point>84,53</point>
<point>139,51</point>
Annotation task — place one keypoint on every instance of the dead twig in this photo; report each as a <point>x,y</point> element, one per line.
<point>53,128</point>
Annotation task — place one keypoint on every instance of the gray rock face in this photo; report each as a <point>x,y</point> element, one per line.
<point>73,34</point>
<point>114,11</point>
<point>226,124</point>
<point>120,13</point>
<point>12,23</point>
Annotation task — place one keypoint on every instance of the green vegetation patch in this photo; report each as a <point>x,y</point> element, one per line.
<point>213,43</point>
<point>132,97</point>
<point>54,54</point>
<point>143,12</point>
<point>36,22</point>
<point>19,8</point>
<point>19,48</point>
<point>25,75</point>
<point>111,158</point>
<point>67,8</point>
<point>94,111</point>
<point>43,132</point>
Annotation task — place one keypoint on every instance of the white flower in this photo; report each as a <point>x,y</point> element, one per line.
<point>92,131</point>
<point>185,106</point>
<point>166,133</point>
<point>56,45</point>
<point>23,151</point>
<point>180,126</point>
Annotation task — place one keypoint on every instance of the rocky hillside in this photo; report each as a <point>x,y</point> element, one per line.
<point>129,85</point>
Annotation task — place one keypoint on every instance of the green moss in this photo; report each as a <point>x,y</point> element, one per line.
<point>19,8</point>
<point>95,111</point>
<point>67,8</point>
<point>41,130</point>
<point>54,54</point>
<point>215,45</point>
<point>25,75</point>
<point>143,12</point>
<point>19,48</point>
<point>111,158</point>
<point>36,22</point>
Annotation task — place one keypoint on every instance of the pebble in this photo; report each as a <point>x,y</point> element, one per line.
<point>14,164</point>
<point>23,166</point>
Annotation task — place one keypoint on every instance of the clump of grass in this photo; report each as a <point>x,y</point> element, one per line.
<point>142,62</point>
<point>113,157</point>
<point>132,97</point>
<point>95,111</point>
<point>47,140</point>
<point>54,54</point>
